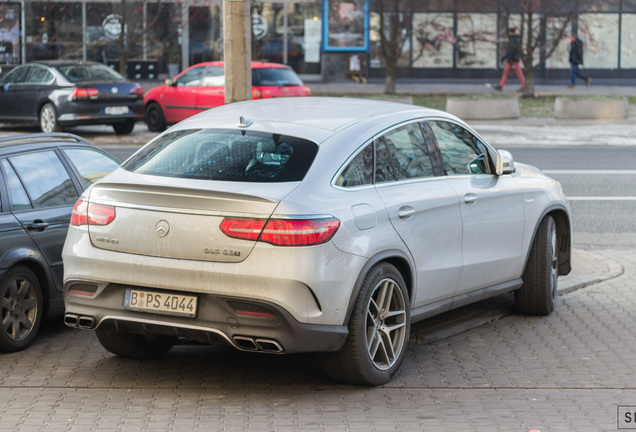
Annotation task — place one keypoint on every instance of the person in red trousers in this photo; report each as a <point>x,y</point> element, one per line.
<point>512,57</point>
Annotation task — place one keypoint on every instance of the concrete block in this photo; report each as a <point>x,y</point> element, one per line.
<point>566,108</point>
<point>483,109</point>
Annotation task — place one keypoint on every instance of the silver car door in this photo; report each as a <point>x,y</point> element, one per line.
<point>423,209</point>
<point>491,208</point>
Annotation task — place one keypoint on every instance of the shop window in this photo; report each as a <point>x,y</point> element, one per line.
<point>53,30</point>
<point>476,45</point>
<point>433,40</point>
<point>9,33</point>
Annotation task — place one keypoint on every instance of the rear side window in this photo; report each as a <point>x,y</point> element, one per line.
<point>47,182</point>
<point>226,155</point>
<point>275,77</point>
<point>17,195</point>
<point>91,164</point>
<point>89,72</point>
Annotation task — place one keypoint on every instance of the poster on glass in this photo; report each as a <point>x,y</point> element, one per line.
<point>345,25</point>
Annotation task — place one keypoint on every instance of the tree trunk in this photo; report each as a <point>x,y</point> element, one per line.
<point>528,73</point>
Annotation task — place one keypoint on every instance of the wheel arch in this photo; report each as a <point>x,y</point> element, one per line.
<point>396,258</point>
<point>35,262</point>
<point>564,237</point>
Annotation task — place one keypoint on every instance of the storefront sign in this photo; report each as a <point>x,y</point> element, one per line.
<point>259,26</point>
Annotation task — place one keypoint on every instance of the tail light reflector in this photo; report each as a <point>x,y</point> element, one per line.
<point>138,91</point>
<point>85,213</point>
<point>256,93</point>
<point>282,232</point>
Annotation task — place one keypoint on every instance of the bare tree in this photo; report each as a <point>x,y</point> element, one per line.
<point>394,22</point>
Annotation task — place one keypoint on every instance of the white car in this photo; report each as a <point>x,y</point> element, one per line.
<point>310,225</point>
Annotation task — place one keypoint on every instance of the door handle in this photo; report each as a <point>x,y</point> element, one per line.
<point>37,225</point>
<point>470,198</point>
<point>406,212</point>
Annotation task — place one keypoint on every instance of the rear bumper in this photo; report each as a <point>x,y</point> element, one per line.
<point>86,113</point>
<point>219,320</point>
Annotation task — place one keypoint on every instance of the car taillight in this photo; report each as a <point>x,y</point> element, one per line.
<point>85,213</point>
<point>256,93</point>
<point>83,93</point>
<point>139,92</point>
<point>282,232</point>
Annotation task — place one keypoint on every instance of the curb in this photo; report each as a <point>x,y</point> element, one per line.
<point>590,268</point>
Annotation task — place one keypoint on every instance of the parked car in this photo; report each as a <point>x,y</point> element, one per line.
<point>202,87</point>
<point>41,177</point>
<point>55,94</point>
<point>310,225</point>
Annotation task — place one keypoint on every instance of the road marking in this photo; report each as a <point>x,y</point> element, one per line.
<point>592,172</point>
<point>602,198</point>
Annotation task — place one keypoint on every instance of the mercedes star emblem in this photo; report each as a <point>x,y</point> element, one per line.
<point>162,228</point>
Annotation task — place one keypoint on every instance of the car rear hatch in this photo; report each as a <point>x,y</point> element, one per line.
<point>178,221</point>
<point>171,198</point>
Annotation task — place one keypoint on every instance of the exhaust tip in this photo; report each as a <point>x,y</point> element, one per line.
<point>245,343</point>
<point>86,322</point>
<point>268,345</point>
<point>71,320</point>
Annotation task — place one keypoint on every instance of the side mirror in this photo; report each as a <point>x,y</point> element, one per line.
<point>170,82</point>
<point>505,163</point>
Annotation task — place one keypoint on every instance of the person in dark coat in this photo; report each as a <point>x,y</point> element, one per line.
<point>512,57</point>
<point>576,60</point>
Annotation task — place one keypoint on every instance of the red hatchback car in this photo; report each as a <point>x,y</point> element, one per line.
<point>202,86</point>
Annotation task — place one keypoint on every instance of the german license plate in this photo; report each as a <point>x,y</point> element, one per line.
<point>161,303</point>
<point>116,110</point>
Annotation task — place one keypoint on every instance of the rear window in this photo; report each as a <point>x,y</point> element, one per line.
<point>275,77</point>
<point>85,72</point>
<point>226,155</point>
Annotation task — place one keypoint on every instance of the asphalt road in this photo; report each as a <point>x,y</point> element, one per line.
<point>599,182</point>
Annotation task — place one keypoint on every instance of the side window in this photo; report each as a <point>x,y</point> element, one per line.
<point>17,195</point>
<point>193,77</point>
<point>410,158</point>
<point>462,152</point>
<point>17,75</point>
<point>214,77</point>
<point>91,164</point>
<point>360,169</point>
<point>40,75</point>
<point>46,180</point>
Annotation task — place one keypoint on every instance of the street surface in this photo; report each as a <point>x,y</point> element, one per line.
<point>574,370</point>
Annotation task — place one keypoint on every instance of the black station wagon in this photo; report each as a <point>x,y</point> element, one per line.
<point>41,177</point>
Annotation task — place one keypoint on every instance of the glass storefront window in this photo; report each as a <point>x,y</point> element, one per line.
<point>206,38</point>
<point>476,45</point>
<point>628,42</point>
<point>287,33</point>
<point>10,33</point>
<point>53,30</point>
<point>599,33</point>
<point>433,40</point>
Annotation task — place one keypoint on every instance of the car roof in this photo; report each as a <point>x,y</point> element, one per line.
<point>314,118</point>
<point>255,65</point>
<point>19,143</point>
<point>58,63</point>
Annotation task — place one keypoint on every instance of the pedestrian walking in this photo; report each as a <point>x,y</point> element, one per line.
<point>512,57</point>
<point>576,60</point>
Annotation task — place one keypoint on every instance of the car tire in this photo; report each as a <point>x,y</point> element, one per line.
<point>21,309</point>
<point>48,119</point>
<point>135,345</point>
<point>537,295</point>
<point>124,128</point>
<point>155,119</point>
<point>378,331</point>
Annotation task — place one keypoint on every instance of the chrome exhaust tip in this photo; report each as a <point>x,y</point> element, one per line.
<point>268,345</point>
<point>86,322</point>
<point>71,320</point>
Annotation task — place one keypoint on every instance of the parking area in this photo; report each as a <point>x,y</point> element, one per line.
<point>568,371</point>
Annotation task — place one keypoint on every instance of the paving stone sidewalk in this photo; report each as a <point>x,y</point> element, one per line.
<point>569,371</point>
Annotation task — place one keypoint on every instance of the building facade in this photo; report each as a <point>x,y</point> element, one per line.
<point>449,38</point>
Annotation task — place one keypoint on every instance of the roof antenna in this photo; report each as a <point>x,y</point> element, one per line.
<point>244,123</point>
